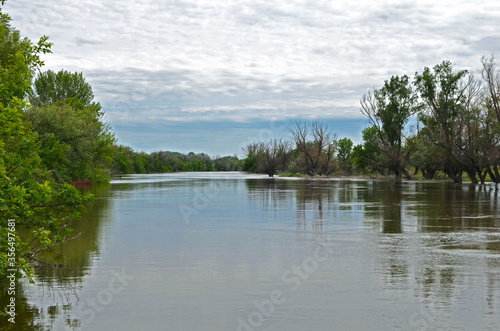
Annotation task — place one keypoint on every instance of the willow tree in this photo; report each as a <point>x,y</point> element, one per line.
<point>389,110</point>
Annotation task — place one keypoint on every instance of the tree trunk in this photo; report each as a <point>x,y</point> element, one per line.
<point>472,175</point>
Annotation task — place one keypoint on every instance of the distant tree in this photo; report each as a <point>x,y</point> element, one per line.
<point>227,163</point>
<point>389,109</point>
<point>367,157</point>
<point>344,155</point>
<point>314,156</point>
<point>270,157</point>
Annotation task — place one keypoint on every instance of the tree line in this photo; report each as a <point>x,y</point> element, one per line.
<point>128,161</point>
<point>456,131</point>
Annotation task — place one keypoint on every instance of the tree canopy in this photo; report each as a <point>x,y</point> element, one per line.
<point>41,208</point>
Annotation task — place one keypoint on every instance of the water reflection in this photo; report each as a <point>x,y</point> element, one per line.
<point>60,272</point>
<point>408,255</point>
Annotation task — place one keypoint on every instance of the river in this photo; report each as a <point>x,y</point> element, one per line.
<point>231,251</point>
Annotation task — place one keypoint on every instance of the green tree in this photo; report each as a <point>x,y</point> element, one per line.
<point>250,163</point>
<point>42,209</point>
<point>269,157</point>
<point>389,109</point>
<point>344,155</point>
<point>53,87</point>
<point>441,110</point>
<point>76,143</point>
<point>366,157</point>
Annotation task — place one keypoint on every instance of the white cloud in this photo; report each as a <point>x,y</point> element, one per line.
<point>247,59</point>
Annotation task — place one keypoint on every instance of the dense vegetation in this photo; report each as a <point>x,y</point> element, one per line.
<point>456,131</point>
<point>42,206</point>
<point>127,161</point>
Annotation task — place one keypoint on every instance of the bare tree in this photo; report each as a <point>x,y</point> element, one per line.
<point>315,156</point>
<point>491,101</point>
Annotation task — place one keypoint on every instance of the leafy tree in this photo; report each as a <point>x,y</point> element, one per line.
<point>426,157</point>
<point>76,143</point>
<point>227,163</point>
<point>344,155</point>
<point>389,109</point>
<point>270,157</point>
<point>250,163</point>
<point>367,157</point>
<point>442,105</point>
<point>42,209</point>
<point>53,87</point>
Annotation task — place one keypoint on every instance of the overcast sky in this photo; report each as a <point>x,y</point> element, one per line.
<point>211,76</point>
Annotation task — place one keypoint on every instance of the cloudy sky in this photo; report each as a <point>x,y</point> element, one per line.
<point>212,75</point>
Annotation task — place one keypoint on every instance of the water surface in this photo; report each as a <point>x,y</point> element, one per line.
<point>229,251</point>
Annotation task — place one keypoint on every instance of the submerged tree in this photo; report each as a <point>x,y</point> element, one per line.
<point>389,109</point>
<point>491,136</point>
<point>452,115</point>
<point>367,157</point>
<point>442,104</point>
<point>268,157</point>
<point>314,156</point>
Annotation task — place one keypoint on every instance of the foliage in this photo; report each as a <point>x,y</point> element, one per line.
<point>250,163</point>
<point>52,87</point>
<point>126,161</point>
<point>389,109</point>
<point>366,157</point>
<point>76,144</point>
<point>42,209</point>
<point>227,163</point>
<point>450,112</point>
<point>268,157</point>
<point>344,155</point>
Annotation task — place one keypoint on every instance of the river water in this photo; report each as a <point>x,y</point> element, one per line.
<point>230,251</point>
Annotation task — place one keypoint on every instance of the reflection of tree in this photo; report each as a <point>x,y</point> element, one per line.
<point>385,202</point>
<point>58,283</point>
<point>269,192</point>
<point>74,259</point>
<point>26,314</point>
<point>314,202</point>
<point>432,262</point>
<point>451,207</point>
